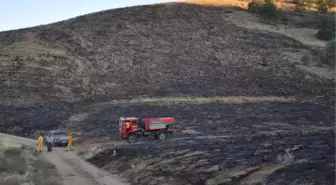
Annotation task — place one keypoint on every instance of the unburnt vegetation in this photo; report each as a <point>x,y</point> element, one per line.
<point>329,55</point>
<point>12,161</point>
<point>19,165</point>
<point>327,29</point>
<point>267,9</point>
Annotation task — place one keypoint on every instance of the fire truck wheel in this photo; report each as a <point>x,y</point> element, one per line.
<point>162,136</point>
<point>131,138</point>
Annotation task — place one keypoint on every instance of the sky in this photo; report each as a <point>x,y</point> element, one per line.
<point>16,14</point>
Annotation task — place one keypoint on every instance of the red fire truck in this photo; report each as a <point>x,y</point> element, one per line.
<point>160,128</point>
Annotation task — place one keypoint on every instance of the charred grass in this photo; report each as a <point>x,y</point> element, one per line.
<point>87,57</point>
<point>255,159</point>
<point>209,118</point>
<point>218,143</point>
<point>175,50</point>
<point>168,50</point>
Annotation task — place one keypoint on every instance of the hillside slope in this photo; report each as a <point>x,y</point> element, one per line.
<point>247,112</point>
<point>156,50</point>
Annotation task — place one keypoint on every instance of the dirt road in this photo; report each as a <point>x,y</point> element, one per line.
<point>73,170</point>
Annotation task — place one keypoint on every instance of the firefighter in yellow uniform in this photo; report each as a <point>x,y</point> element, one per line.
<point>128,126</point>
<point>39,145</point>
<point>70,142</point>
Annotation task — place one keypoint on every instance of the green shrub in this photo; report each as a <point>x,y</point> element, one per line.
<point>299,5</point>
<point>329,54</point>
<point>327,30</point>
<point>269,10</point>
<point>12,152</point>
<point>324,6</point>
<point>254,6</point>
<point>325,34</point>
<point>13,161</point>
<point>266,8</point>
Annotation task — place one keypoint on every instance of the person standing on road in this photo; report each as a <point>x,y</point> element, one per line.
<point>40,141</point>
<point>49,142</point>
<point>70,142</point>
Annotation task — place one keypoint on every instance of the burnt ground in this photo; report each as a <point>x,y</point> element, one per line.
<point>209,119</point>
<point>173,50</point>
<point>165,50</point>
<point>228,161</point>
<point>25,120</point>
<point>273,143</point>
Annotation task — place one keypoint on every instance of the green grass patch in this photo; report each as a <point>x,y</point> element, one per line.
<point>43,173</point>
<point>13,161</point>
<point>18,164</point>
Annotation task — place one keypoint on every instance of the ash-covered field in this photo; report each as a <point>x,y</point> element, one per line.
<point>253,143</point>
